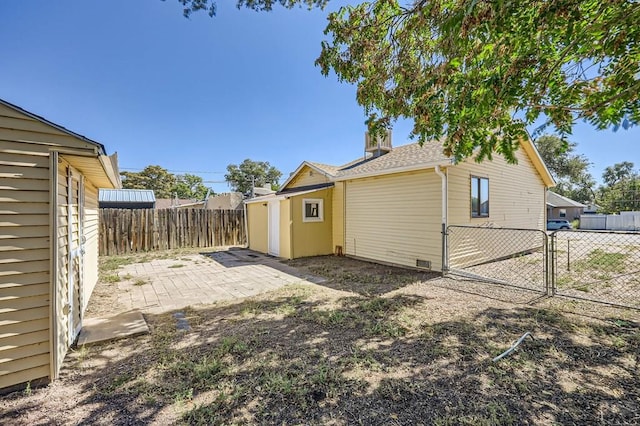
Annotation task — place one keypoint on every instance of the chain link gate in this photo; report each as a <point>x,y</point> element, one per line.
<point>507,256</point>
<point>602,266</point>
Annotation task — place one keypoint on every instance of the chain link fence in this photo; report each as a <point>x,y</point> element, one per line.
<point>601,266</point>
<point>507,256</point>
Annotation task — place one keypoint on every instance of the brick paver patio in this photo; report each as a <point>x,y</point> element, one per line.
<point>167,284</point>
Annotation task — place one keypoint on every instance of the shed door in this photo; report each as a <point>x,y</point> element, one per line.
<point>75,241</point>
<point>274,228</point>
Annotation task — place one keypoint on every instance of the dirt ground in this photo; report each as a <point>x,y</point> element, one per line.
<point>374,345</point>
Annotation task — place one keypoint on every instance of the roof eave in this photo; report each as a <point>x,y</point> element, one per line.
<point>538,162</point>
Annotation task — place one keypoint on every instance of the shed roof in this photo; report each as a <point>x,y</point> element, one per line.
<point>557,200</point>
<point>126,196</point>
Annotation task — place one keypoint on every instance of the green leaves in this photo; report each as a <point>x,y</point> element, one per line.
<point>244,176</point>
<point>165,184</point>
<point>464,70</point>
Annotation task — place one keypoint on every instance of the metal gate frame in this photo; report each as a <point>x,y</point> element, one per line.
<point>541,246</point>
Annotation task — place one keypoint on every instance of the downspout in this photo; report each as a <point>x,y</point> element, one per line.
<point>246,225</point>
<point>291,219</point>
<point>443,178</point>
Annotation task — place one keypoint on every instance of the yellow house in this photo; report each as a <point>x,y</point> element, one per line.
<point>49,180</point>
<point>391,205</point>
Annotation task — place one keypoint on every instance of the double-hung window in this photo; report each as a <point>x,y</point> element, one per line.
<point>479,196</point>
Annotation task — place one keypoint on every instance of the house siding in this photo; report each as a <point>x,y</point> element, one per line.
<point>257,219</point>
<point>308,176</point>
<point>516,200</point>
<point>395,218</point>
<point>24,254</point>
<point>285,229</point>
<point>32,212</point>
<point>311,238</point>
<point>516,193</point>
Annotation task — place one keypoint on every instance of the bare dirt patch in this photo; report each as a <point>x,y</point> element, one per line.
<point>375,345</point>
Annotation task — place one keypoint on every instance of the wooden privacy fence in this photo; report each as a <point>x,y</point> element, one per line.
<point>129,231</point>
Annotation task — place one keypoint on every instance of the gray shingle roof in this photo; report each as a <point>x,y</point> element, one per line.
<point>400,157</point>
<point>327,168</point>
<point>557,200</point>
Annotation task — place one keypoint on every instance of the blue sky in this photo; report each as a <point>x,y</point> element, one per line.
<point>194,95</point>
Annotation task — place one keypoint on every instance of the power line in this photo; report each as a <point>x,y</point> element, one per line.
<point>174,171</point>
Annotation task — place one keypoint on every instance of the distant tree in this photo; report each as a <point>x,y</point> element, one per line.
<point>165,184</point>
<point>190,186</point>
<point>151,177</point>
<point>242,177</point>
<point>621,189</point>
<point>617,173</point>
<point>571,171</point>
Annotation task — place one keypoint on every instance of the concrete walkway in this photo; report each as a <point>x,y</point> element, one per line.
<point>167,284</point>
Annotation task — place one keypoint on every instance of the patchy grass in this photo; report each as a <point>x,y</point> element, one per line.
<point>600,260</point>
<point>113,263</point>
<point>306,354</point>
<point>177,265</point>
<point>110,278</point>
<point>140,282</point>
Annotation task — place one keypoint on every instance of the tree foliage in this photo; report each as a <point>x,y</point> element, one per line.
<point>476,73</point>
<point>570,170</point>
<point>190,6</point>
<point>165,184</point>
<point>190,186</point>
<point>242,177</point>
<point>151,177</point>
<point>621,189</point>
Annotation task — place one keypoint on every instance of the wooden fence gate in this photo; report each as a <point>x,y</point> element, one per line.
<point>125,231</point>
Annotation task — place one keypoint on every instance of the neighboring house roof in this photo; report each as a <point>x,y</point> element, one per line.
<point>126,195</point>
<point>167,203</point>
<point>557,200</point>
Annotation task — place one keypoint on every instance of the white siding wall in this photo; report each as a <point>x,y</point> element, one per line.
<point>395,218</point>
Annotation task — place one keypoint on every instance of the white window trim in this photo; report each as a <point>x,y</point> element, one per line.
<point>320,203</point>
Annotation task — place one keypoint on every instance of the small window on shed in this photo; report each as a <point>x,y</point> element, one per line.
<point>563,213</point>
<point>312,210</point>
<point>479,197</point>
